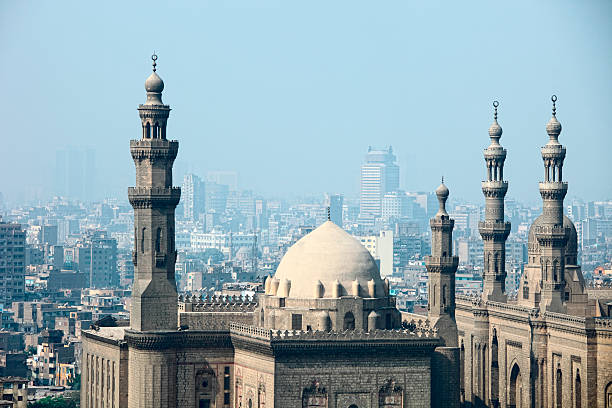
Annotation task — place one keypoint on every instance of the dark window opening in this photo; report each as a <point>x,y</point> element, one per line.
<point>296,322</point>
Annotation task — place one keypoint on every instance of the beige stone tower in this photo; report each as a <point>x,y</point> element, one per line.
<point>494,230</point>
<point>154,303</point>
<point>551,233</point>
<point>441,268</point>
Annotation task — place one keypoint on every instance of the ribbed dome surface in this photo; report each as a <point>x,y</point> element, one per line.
<point>328,254</point>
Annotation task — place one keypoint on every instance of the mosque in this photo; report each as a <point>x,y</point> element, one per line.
<point>327,333</point>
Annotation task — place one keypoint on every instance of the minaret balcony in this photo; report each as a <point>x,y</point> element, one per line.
<point>154,197</point>
<point>553,190</point>
<point>441,264</point>
<point>495,153</point>
<point>494,189</point>
<point>152,149</point>
<point>552,235</point>
<point>553,152</point>
<point>494,230</point>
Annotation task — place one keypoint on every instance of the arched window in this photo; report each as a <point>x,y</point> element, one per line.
<point>516,388</point>
<point>142,240</point>
<point>578,391</point>
<point>444,295</point>
<point>148,131</point>
<point>349,321</point>
<point>494,370</point>
<point>559,388</point>
<point>158,238</point>
<point>608,395</point>
<point>462,371</point>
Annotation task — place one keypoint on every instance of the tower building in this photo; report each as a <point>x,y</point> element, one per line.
<point>494,230</point>
<point>553,281</point>
<point>154,199</point>
<point>551,346</point>
<point>379,175</point>
<point>441,267</point>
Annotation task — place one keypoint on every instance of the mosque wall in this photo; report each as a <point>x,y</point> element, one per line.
<point>254,379</point>
<point>353,378</point>
<point>104,374</point>
<point>214,321</point>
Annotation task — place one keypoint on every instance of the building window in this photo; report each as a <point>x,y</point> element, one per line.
<point>296,321</point>
<point>349,321</point>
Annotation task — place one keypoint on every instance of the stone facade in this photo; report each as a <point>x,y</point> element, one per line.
<point>546,348</point>
<point>326,333</point>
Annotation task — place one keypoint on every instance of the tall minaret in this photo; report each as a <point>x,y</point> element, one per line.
<point>154,302</point>
<point>551,234</point>
<point>441,268</point>
<point>494,230</point>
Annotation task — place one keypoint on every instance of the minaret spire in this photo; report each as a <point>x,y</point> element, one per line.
<point>441,267</point>
<point>494,230</point>
<point>551,235</point>
<point>154,58</point>
<point>154,304</point>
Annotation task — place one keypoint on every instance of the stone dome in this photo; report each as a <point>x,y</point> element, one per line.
<point>442,191</point>
<point>571,247</point>
<point>154,83</point>
<point>495,131</point>
<point>553,128</point>
<point>331,258</point>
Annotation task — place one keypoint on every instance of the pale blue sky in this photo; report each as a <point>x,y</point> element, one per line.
<point>290,94</point>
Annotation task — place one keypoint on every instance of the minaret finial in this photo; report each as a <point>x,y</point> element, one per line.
<point>554,100</point>
<point>495,105</point>
<point>328,213</point>
<point>154,58</point>
<point>442,179</point>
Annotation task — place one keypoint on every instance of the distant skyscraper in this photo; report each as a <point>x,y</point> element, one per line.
<point>229,178</point>
<point>379,175</point>
<point>75,173</point>
<point>216,197</point>
<point>335,203</point>
<point>12,264</point>
<point>193,197</point>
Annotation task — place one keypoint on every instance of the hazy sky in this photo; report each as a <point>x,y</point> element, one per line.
<point>290,94</point>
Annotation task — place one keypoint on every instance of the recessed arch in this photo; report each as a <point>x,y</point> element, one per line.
<point>349,321</point>
<point>515,397</point>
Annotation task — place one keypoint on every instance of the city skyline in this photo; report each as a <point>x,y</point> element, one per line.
<point>377,76</point>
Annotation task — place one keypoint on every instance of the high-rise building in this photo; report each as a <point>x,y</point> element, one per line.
<point>396,204</point>
<point>379,175</point>
<point>12,262</point>
<point>335,203</point>
<point>216,196</point>
<point>95,254</point>
<point>193,197</point>
<point>75,173</point>
<point>228,178</point>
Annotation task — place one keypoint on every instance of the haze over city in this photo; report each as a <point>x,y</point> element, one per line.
<point>291,95</point>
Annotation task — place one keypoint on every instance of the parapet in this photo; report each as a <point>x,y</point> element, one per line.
<point>213,303</point>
